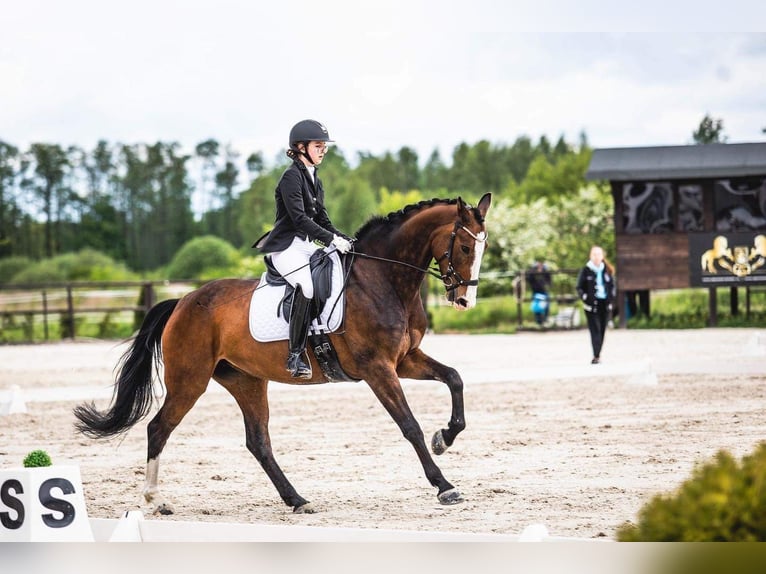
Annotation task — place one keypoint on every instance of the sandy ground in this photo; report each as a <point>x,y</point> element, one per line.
<point>550,439</point>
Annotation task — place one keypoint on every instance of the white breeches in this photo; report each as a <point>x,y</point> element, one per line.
<point>293,264</point>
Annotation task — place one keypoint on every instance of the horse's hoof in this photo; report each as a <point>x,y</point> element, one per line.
<point>451,496</point>
<point>438,446</point>
<point>304,509</point>
<point>164,509</point>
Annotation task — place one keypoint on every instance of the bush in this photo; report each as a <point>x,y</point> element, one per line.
<point>84,265</point>
<point>203,257</point>
<point>724,501</point>
<point>10,266</point>
<point>37,458</point>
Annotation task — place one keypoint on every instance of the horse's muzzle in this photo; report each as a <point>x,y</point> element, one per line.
<point>461,303</point>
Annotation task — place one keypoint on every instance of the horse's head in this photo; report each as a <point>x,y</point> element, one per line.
<point>462,246</point>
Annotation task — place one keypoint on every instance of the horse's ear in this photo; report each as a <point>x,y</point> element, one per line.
<point>462,210</point>
<point>484,202</point>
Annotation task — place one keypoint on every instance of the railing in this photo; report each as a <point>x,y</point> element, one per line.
<point>68,301</point>
<point>561,291</point>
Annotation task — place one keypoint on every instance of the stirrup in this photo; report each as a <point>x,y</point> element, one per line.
<point>298,367</point>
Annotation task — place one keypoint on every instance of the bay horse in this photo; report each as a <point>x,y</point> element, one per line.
<point>205,335</point>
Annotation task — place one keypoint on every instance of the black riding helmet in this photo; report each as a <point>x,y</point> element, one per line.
<point>308,131</point>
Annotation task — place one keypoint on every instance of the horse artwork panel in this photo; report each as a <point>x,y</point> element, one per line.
<point>205,335</point>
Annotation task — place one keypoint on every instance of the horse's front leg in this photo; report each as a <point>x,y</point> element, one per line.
<point>418,365</point>
<point>386,386</point>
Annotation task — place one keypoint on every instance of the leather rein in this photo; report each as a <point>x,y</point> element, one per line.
<point>452,279</point>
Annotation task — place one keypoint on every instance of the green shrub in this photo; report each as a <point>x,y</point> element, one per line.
<point>202,255</point>
<point>10,266</point>
<point>84,265</point>
<point>40,272</point>
<point>37,458</point>
<point>723,501</point>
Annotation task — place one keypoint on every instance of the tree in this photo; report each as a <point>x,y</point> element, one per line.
<point>208,152</point>
<point>709,131</point>
<point>254,164</point>
<point>396,200</point>
<point>225,181</point>
<point>435,175</point>
<point>9,156</point>
<point>255,206</point>
<point>49,163</point>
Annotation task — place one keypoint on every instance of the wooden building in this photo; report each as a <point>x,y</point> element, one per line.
<point>687,216</point>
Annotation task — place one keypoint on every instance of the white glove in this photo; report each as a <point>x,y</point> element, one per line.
<point>341,243</point>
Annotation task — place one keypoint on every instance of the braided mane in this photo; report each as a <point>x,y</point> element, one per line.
<point>379,224</point>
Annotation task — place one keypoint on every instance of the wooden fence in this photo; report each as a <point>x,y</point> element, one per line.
<point>67,301</point>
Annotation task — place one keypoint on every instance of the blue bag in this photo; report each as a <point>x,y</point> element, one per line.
<point>539,303</point>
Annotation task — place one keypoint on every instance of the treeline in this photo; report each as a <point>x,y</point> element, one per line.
<point>139,203</point>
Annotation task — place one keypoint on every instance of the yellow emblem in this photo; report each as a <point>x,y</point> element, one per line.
<point>740,262</point>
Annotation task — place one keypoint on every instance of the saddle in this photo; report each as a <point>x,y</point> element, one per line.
<point>321,266</point>
<point>328,280</point>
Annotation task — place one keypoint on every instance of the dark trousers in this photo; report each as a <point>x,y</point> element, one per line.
<point>597,322</point>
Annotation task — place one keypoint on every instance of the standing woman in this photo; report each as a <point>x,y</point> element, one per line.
<point>597,289</point>
<point>301,219</point>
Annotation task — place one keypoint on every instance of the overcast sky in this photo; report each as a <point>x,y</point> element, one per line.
<point>379,75</point>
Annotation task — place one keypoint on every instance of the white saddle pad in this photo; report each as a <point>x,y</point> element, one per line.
<point>266,325</point>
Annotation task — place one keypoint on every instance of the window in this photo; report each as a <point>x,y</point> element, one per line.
<point>740,204</point>
<point>647,207</point>
<point>690,207</point>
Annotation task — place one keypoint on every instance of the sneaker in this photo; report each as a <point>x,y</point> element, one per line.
<point>595,361</point>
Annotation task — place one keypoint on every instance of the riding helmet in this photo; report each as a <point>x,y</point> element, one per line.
<point>308,131</point>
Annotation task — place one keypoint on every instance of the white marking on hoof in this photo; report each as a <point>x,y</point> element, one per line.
<point>451,496</point>
<point>304,509</point>
<point>438,446</point>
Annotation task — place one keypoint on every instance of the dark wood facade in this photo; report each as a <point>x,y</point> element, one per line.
<point>664,196</point>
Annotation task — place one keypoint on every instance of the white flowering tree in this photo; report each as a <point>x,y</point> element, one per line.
<point>559,234</point>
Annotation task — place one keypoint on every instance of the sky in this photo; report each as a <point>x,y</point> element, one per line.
<point>380,76</point>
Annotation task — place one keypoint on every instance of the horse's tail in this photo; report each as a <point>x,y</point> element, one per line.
<point>133,396</point>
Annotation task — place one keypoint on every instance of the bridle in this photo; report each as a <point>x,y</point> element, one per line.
<point>452,279</point>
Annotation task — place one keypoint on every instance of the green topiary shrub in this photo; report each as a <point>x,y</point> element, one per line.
<point>723,501</point>
<point>37,458</point>
<point>201,255</point>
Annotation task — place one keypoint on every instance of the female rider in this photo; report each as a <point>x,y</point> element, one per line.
<point>301,219</point>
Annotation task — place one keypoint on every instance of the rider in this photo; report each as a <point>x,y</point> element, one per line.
<point>301,219</point>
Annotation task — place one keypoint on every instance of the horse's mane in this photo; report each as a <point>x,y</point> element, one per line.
<point>379,224</point>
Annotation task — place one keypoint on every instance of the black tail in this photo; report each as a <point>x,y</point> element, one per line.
<point>133,394</point>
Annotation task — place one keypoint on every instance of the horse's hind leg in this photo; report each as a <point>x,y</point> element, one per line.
<point>418,365</point>
<point>251,395</point>
<point>184,385</point>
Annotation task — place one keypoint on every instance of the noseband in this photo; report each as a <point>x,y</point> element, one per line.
<point>452,279</point>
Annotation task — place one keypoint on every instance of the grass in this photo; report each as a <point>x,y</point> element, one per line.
<point>689,309</point>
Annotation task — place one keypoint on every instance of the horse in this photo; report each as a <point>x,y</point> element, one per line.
<point>204,335</point>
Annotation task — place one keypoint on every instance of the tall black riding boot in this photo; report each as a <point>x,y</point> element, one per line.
<point>297,362</point>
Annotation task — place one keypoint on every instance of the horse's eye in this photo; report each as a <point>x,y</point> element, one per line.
<point>465,249</point>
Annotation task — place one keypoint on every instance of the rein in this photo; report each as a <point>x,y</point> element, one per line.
<point>452,278</point>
